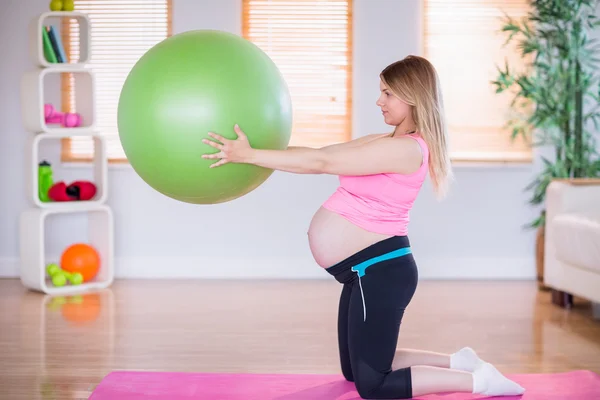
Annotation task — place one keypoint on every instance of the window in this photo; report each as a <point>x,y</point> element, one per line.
<point>462,39</point>
<point>311,44</point>
<point>121,32</point>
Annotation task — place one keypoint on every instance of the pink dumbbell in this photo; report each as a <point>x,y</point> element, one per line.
<point>69,120</point>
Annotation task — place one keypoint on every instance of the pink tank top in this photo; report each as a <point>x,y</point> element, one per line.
<point>380,203</point>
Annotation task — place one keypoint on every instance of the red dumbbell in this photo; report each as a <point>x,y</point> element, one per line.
<point>69,120</point>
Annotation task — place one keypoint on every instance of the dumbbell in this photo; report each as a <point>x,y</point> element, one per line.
<point>59,277</point>
<point>65,119</point>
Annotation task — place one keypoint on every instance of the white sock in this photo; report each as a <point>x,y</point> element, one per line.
<point>487,380</point>
<point>465,360</point>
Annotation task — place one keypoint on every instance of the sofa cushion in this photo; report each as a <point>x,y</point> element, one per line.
<point>577,239</point>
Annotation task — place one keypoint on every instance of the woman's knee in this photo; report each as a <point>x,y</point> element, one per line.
<point>371,384</point>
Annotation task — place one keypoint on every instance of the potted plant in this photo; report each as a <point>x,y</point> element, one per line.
<point>556,96</point>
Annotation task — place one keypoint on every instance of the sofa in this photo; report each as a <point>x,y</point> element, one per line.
<point>572,242</point>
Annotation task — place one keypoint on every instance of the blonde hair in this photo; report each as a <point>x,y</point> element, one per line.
<point>415,81</point>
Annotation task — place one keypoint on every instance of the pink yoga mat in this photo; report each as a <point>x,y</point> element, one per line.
<point>131,385</point>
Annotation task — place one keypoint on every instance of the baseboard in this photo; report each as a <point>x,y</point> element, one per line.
<point>298,268</point>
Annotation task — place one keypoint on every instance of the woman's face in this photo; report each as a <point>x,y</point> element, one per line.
<point>393,109</point>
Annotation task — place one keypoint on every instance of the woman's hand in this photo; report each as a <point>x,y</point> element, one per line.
<point>234,151</point>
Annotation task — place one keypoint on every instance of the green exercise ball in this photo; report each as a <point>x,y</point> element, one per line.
<point>194,83</point>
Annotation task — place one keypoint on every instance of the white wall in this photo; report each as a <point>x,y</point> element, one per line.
<point>475,233</point>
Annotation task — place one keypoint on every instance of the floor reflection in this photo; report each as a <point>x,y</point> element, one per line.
<point>74,341</point>
<point>60,347</point>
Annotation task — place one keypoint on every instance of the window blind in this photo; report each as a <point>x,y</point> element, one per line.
<point>462,38</point>
<point>311,44</point>
<point>121,32</point>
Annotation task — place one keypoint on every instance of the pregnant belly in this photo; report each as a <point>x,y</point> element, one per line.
<point>332,238</point>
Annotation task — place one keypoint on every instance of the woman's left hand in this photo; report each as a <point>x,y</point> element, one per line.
<point>234,151</point>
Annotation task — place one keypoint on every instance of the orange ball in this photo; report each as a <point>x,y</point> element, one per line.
<point>82,258</point>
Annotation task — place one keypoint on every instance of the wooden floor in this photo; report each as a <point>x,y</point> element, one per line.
<point>60,348</point>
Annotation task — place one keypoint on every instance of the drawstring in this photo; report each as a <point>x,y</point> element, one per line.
<point>363,298</point>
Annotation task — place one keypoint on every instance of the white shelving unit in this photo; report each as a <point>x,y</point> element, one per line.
<point>36,90</point>
<point>33,249</point>
<point>100,168</point>
<point>36,48</point>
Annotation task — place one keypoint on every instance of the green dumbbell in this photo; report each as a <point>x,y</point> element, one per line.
<point>75,278</point>
<point>56,275</point>
<point>60,277</point>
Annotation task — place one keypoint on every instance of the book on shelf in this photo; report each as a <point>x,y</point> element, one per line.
<point>54,51</point>
<point>49,53</point>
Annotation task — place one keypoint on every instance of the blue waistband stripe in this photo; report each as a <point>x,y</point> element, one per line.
<point>360,268</point>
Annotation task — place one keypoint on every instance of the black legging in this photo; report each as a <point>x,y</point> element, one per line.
<point>379,282</point>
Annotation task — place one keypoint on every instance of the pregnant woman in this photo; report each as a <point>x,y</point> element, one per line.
<point>360,237</point>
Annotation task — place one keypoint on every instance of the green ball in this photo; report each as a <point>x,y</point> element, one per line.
<point>76,278</point>
<point>191,84</point>
<point>56,5</point>
<point>68,5</point>
<point>59,280</point>
<point>53,269</point>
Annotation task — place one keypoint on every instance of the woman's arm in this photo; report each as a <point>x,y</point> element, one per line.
<point>344,145</point>
<point>356,142</point>
<point>401,155</point>
<point>309,161</point>
<point>299,160</point>
<point>381,156</point>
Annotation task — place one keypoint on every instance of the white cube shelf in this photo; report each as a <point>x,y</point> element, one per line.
<point>35,94</point>
<point>55,18</point>
<point>33,251</point>
<point>39,87</point>
<point>100,168</point>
